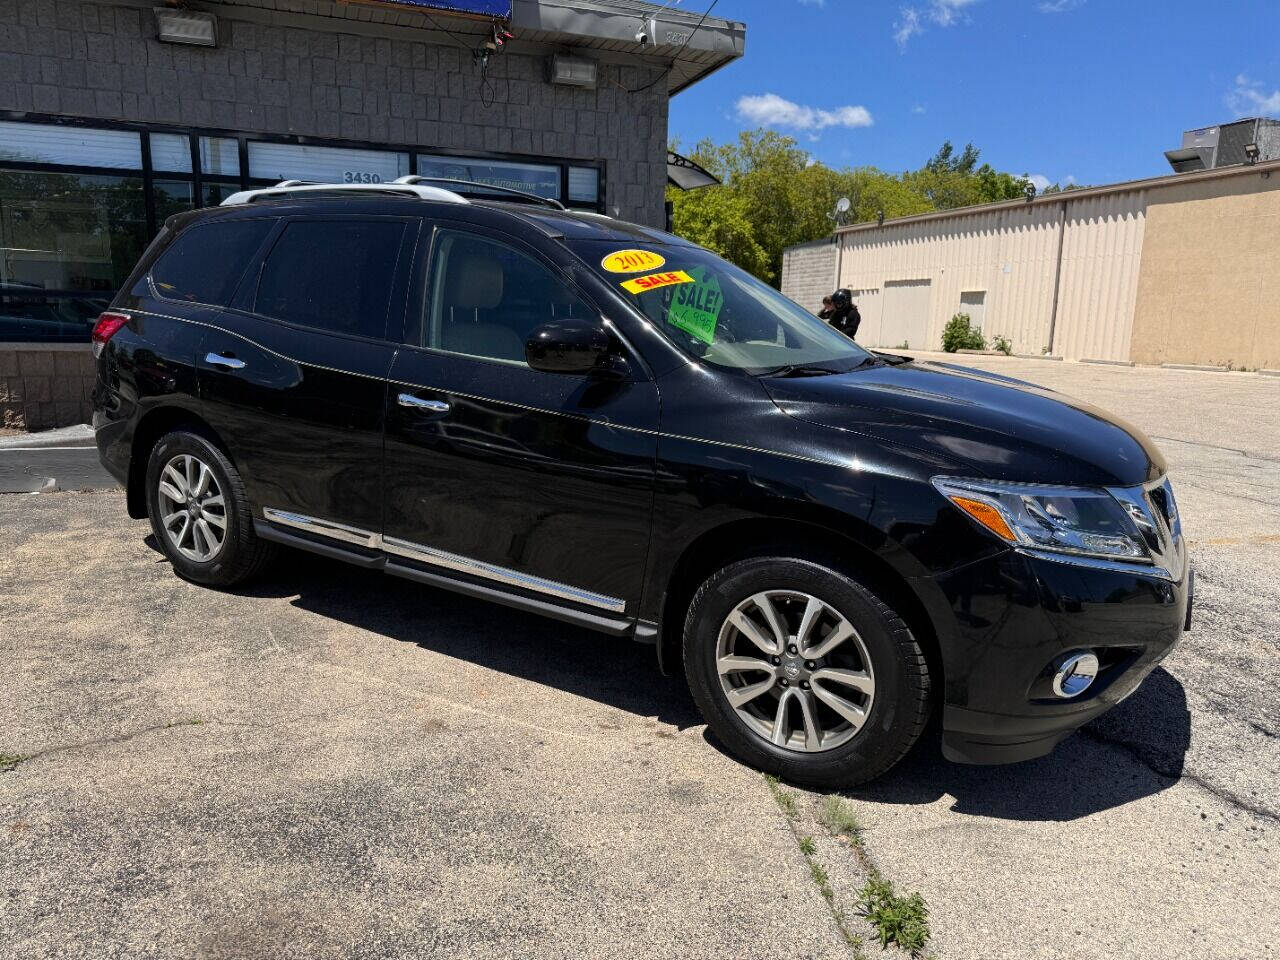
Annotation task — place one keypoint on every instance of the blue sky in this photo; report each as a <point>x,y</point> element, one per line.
<point>1087,90</point>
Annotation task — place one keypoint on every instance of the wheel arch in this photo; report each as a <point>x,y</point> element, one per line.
<point>153,425</point>
<point>806,539</point>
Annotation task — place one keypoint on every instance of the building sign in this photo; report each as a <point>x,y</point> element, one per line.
<point>474,8</point>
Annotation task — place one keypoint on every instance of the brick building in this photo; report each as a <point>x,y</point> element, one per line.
<point>114,114</point>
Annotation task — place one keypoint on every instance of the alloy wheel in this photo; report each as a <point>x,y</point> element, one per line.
<point>795,670</point>
<point>193,511</point>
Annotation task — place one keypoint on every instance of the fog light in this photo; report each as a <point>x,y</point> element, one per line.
<point>1076,675</point>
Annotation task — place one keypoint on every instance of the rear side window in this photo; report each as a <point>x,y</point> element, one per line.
<point>204,263</point>
<point>334,275</point>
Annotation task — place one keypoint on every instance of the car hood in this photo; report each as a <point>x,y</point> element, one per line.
<point>993,426</point>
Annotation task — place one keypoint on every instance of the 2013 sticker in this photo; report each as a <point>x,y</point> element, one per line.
<point>655,280</point>
<point>633,261</point>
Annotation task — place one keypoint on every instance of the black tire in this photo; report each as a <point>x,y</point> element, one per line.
<point>900,707</point>
<point>242,554</point>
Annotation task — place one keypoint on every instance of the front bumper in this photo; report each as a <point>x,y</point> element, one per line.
<point>1010,619</point>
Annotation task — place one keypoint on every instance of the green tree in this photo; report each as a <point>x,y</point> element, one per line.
<point>775,195</point>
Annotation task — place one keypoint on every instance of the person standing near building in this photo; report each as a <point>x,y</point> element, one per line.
<point>844,314</point>
<point>825,312</point>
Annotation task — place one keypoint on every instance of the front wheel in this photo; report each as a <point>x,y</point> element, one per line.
<point>199,512</point>
<point>804,672</point>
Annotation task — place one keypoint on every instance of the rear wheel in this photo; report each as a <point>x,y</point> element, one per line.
<point>199,512</point>
<point>804,672</point>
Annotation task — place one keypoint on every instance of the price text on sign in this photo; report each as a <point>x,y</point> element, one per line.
<point>632,261</point>
<point>655,280</point>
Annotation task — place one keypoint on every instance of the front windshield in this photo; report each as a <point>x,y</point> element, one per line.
<point>720,314</point>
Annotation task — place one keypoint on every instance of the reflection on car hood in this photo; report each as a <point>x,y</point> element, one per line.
<point>1001,428</point>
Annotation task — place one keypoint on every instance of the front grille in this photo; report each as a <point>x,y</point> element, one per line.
<point>1160,500</point>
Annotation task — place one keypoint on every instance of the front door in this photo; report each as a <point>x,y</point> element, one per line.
<point>524,481</point>
<point>294,376</point>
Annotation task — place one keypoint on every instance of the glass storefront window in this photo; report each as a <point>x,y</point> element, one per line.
<point>220,156</point>
<point>67,243</point>
<point>584,185</point>
<point>287,161</point>
<point>542,180</point>
<point>79,146</point>
<point>172,196</point>
<point>215,193</point>
<point>170,152</point>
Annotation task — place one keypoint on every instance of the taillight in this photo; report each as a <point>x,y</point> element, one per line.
<point>105,329</point>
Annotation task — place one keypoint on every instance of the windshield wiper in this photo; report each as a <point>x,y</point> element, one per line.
<point>801,370</point>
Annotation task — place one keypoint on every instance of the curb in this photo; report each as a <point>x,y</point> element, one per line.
<point>1201,367</point>
<point>81,435</point>
<point>1036,356</point>
<point>1110,363</point>
<point>1270,373</point>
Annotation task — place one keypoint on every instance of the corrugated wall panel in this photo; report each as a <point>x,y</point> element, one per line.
<point>1010,254</point>
<point>1101,258</point>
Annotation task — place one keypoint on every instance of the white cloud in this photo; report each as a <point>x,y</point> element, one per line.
<point>813,3</point>
<point>919,109</point>
<point>1040,180</point>
<point>1058,6</point>
<point>1251,98</point>
<point>943,13</point>
<point>769,109</point>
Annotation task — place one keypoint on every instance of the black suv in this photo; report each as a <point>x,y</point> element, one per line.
<point>605,424</point>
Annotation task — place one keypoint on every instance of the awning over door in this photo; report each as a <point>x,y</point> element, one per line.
<point>687,175</point>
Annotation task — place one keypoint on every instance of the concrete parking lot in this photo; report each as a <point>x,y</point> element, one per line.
<point>334,764</point>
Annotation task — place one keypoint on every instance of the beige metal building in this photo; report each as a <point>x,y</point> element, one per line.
<point>1176,269</point>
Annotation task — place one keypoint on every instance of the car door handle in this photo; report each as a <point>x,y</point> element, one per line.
<point>417,403</point>
<point>223,360</point>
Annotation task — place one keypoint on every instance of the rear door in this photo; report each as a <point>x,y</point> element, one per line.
<point>529,482</point>
<point>294,374</point>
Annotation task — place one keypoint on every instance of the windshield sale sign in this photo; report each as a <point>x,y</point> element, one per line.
<point>473,8</point>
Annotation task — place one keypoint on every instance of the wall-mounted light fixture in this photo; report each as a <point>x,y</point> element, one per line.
<point>571,71</point>
<point>186,26</point>
<point>1251,153</point>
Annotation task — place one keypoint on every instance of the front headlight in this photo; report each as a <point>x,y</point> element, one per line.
<point>1069,520</point>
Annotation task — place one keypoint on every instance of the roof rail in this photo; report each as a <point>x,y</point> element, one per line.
<point>290,188</point>
<point>414,178</point>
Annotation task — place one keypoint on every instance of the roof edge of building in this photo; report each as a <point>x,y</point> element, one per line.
<point>1068,196</point>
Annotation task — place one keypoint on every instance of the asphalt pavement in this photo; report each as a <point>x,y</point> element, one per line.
<point>332,763</point>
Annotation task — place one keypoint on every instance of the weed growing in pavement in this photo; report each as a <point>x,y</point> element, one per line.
<point>786,799</point>
<point>10,760</point>
<point>840,820</point>
<point>900,920</point>
<point>808,846</point>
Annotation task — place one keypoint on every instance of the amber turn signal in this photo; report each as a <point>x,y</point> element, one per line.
<point>987,515</point>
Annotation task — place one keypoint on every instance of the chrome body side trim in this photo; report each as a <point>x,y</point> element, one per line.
<point>490,571</point>
<point>442,558</point>
<point>325,528</point>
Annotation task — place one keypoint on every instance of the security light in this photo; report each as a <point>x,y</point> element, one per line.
<point>186,26</point>
<point>571,71</point>
<point>1251,152</point>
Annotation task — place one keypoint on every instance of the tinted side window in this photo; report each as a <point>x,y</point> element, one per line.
<point>334,275</point>
<point>486,298</point>
<point>204,263</point>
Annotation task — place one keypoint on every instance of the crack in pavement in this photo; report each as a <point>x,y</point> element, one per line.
<point>1143,757</point>
<point>1214,446</point>
<point>154,728</point>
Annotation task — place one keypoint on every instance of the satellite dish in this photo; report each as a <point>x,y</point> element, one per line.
<point>843,205</point>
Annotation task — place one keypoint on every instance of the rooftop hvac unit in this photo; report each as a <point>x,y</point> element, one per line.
<point>1228,144</point>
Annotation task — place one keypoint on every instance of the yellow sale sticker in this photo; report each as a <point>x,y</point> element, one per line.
<point>632,261</point>
<point>655,280</point>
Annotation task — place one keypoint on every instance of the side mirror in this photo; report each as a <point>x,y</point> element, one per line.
<point>567,346</point>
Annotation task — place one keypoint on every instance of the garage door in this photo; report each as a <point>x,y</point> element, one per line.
<point>905,314</point>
